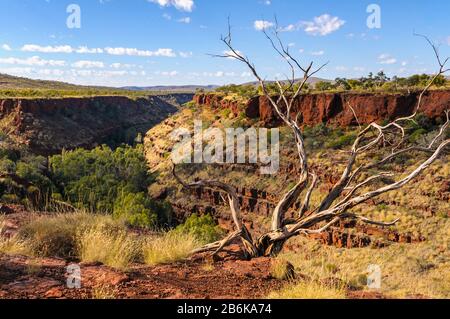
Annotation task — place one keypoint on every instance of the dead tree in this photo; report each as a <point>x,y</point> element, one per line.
<point>345,194</point>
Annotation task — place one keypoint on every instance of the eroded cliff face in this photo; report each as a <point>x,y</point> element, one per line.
<point>336,108</point>
<point>258,195</point>
<point>49,125</point>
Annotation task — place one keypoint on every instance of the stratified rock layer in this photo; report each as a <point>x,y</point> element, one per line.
<point>336,108</point>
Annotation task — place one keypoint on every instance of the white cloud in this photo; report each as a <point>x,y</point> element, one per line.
<point>289,28</point>
<point>167,73</point>
<point>52,72</point>
<point>322,25</point>
<point>318,53</point>
<point>121,66</point>
<point>186,54</point>
<point>6,47</point>
<point>86,50</point>
<point>246,74</point>
<point>88,64</point>
<point>386,59</point>
<point>47,49</point>
<point>183,5</point>
<point>260,25</point>
<point>167,16</point>
<point>186,20</point>
<point>16,70</point>
<point>218,74</point>
<point>448,40</point>
<point>98,74</point>
<point>33,61</point>
<point>136,52</point>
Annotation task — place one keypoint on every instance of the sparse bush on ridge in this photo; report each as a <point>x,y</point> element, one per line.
<point>372,83</point>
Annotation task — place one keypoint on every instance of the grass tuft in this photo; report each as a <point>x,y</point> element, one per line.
<point>168,248</point>
<point>112,248</point>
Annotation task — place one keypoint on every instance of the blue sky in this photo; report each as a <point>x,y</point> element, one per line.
<point>166,42</point>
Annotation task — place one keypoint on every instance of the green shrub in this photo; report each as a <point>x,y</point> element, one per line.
<point>414,137</point>
<point>135,210</point>
<point>341,141</point>
<point>202,227</point>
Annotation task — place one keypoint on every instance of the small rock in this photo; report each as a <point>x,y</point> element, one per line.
<point>54,293</point>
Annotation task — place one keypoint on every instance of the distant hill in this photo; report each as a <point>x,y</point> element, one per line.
<point>162,88</point>
<point>15,82</point>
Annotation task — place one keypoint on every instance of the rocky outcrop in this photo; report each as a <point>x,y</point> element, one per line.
<point>334,108</point>
<point>251,107</point>
<point>49,125</point>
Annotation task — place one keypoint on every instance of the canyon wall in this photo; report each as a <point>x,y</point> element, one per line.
<point>336,108</point>
<point>47,126</point>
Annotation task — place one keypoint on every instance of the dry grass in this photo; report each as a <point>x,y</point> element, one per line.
<point>309,290</point>
<point>112,248</point>
<point>103,293</point>
<point>408,270</point>
<point>168,248</point>
<point>14,245</point>
<point>56,236</point>
<point>281,269</point>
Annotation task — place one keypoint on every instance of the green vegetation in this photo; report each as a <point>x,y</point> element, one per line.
<point>99,180</point>
<point>247,91</point>
<point>203,228</point>
<point>380,82</point>
<point>94,179</point>
<point>322,136</point>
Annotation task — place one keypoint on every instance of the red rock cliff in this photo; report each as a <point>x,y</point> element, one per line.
<point>49,125</point>
<point>333,108</point>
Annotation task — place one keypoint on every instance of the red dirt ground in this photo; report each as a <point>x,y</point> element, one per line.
<point>197,278</point>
